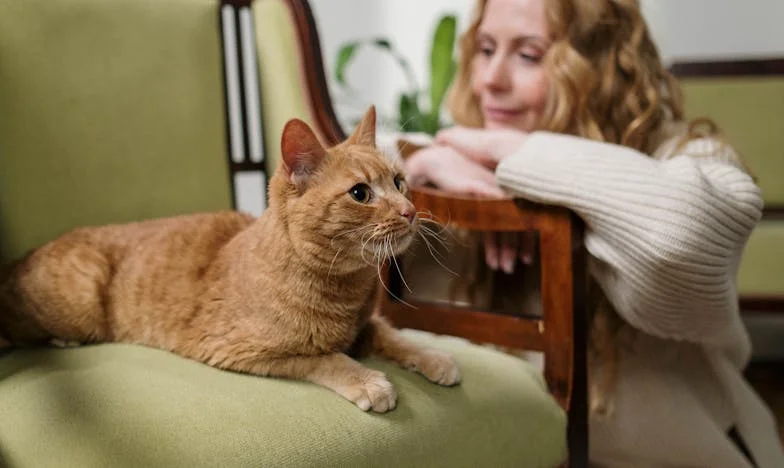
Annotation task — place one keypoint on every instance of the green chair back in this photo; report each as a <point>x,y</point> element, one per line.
<point>110,111</point>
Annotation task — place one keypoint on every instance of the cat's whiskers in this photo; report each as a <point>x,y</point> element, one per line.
<point>388,245</point>
<point>443,227</point>
<point>362,248</point>
<point>424,230</point>
<point>350,231</point>
<point>433,253</point>
<point>381,280</point>
<point>333,262</point>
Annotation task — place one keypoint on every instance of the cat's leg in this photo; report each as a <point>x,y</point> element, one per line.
<point>384,340</point>
<point>367,388</point>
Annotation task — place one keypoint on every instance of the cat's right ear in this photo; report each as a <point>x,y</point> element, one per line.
<point>302,152</point>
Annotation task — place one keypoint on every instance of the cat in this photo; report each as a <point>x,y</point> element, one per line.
<point>291,294</point>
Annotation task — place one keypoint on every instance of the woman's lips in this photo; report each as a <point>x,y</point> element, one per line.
<point>500,114</point>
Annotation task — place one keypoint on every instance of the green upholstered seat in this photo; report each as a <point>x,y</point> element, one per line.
<point>749,110</point>
<point>113,111</point>
<point>122,405</point>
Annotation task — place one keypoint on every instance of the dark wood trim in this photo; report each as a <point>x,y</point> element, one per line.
<point>762,303</point>
<point>245,166</point>
<point>578,410</point>
<point>480,327</point>
<point>237,3</point>
<point>313,68</point>
<point>728,68</point>
<point>773,213</point>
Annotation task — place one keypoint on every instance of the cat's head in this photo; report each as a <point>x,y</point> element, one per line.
<point>348,203</point>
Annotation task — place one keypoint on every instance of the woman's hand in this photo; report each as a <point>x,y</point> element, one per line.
<point>485,146</point>
<point>488,147</point>
<point>451,171</point>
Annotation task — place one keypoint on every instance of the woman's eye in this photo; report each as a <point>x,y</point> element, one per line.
<point>399,182</point>
<point>486,51</point>
<point>360,193</point>
<point>530,57</point>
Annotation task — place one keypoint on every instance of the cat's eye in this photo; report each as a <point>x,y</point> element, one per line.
<point>399,182</point>
<point>360,193</point>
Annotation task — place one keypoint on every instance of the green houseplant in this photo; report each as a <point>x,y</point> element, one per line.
<point>419,108</point>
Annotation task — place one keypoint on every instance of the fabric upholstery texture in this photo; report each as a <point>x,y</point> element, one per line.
<point>123,405</point>
<point>111,111</point>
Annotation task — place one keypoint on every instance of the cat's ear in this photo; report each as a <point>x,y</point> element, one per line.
<point>301,150</point>
<point>365,133</point>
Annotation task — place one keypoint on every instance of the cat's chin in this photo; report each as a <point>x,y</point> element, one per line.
<point>404,243</point>
<point>397,248</point>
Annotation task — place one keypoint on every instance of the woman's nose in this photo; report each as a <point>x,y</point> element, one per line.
<point>496,75</point>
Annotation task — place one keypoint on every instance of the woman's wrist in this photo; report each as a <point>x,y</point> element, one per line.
<point>416,168</point>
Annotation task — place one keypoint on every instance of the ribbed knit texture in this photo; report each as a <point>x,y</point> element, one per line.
<point>665,235</point>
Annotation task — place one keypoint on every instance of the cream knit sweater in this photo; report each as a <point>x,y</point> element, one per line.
<point>665,236</point>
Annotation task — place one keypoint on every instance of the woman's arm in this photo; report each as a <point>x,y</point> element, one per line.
<point>668,234</point>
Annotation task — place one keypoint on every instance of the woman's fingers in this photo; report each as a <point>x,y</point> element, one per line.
<point>491,250</point>
<point>508,253</point>
<point>527,247</point>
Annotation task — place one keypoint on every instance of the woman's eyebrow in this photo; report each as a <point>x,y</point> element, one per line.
<point>517,40</point>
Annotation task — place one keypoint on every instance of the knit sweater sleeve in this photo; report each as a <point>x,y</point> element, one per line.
<point>667,234</point>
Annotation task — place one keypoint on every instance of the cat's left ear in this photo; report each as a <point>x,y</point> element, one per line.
<point>302,152</point>
<point>365,133</point>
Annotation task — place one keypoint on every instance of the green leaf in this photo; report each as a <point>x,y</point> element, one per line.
<point>344,57</point>
<point>383,43</point>
<point>410,118</point>
<point>442,64</point>
<point>431,123</point>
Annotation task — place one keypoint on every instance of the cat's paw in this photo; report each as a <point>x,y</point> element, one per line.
<point>438,367</point>
<point>374,393</point>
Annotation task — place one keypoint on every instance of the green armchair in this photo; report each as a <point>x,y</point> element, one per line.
<point>132,109</point>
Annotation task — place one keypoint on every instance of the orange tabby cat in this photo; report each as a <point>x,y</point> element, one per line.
<point>287,295</point>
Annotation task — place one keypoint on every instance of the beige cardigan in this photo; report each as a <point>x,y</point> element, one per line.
<point>665,237</point>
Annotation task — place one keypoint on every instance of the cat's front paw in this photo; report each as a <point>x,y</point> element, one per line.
<point>374,392</point>
<point>438,367</point>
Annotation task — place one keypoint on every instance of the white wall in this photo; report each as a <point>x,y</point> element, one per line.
<point>409,24</point>
<point>685,29</point>
<point>715,29</point>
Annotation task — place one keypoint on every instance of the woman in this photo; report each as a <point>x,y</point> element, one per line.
<point>566,102</point>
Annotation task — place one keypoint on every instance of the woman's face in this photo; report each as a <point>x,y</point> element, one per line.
<point>507,76</point>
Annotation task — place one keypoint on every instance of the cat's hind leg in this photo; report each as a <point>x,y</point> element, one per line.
<point>59,294</point>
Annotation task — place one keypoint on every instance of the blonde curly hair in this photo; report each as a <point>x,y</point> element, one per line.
<point>607,83</point>
<point>607,80</point>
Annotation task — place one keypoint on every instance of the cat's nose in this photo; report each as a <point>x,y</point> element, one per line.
<point>409,213</point>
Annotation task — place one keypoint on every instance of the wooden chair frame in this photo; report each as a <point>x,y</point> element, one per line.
<point>561,334</point>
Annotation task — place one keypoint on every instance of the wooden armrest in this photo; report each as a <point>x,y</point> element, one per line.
<point>487,214</point>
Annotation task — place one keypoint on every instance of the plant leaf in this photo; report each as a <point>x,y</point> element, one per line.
<point>383,43</point>
<point>410,118</point>
<point>442,68</point>
<point>344,57</point>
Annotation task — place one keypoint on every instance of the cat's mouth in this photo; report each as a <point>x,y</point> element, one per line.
<point>393,243</point>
